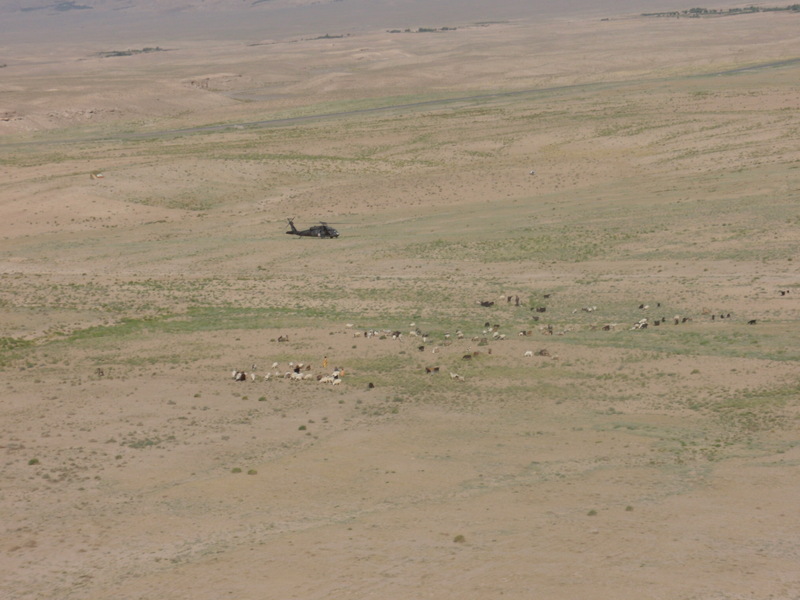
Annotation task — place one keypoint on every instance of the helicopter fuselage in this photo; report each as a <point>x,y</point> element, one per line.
<point>318,231</point>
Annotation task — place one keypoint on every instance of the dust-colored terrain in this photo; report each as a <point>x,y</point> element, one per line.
<point>586,176</point>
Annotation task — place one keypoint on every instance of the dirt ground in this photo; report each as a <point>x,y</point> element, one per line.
<point>621,420</point>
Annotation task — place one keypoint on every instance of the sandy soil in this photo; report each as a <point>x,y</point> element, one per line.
<point>585,175</point>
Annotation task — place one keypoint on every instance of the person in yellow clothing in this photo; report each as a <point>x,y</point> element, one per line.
<point>325,362</point>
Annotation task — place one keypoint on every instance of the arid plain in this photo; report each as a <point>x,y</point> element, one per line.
<point>605,171</point>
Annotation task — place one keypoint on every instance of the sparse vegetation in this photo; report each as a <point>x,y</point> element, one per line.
<point>720,12</point>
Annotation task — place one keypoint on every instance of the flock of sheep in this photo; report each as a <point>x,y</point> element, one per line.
<point>297,372</point>
<point>489,333</point>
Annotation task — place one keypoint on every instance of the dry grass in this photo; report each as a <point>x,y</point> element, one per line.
<point>595,469</point>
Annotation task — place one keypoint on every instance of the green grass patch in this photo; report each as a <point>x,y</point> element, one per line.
<point>208,319</point>
<point>533,243</point>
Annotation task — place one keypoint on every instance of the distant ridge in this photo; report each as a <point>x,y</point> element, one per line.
<point>162,6</point>
<point>146,22</point>
<point>406,7</point>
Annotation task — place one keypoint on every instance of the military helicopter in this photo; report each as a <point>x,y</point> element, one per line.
<point>323,230</point>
